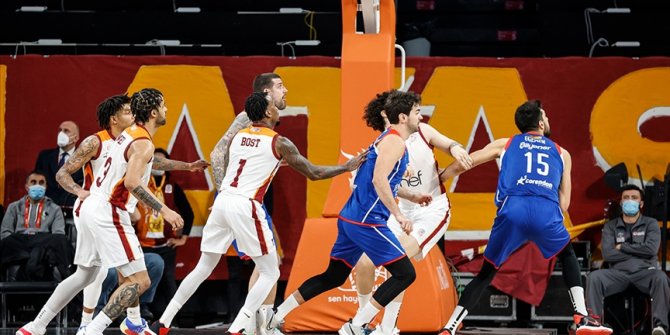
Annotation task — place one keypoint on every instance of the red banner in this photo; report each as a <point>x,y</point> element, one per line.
<point>603,111</point>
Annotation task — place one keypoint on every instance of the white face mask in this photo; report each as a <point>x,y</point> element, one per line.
<point>157,172</point>
<point>63,140</point>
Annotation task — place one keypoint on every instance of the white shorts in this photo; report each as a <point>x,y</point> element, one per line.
<point>234,217</point>
<point>429,223</point>
<point>114,236</point>
<point>85,254</point>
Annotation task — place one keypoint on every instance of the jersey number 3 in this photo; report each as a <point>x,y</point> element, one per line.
<point>108,164</point>
<point>543,168</point>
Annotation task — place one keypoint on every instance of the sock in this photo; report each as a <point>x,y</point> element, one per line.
<point>241,322</point>
<point>364,315</point>
<point>363,299</point>
<point>99,324</point>
<point>456,318</point>
<point>42,320</point>
<point>577,297</point>
<point>286,307</point>
<point>170,312</point>
<point>86,318</point>
<point>133,314</point>
<point>390,318</point>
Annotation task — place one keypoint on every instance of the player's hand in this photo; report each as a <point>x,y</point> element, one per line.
<point>356,161</point>
<point>83,194</point>
<point>199,165</point>
<point>135,216</point>
<point>177,242</point>
<point>422,199</point>
<point>172,217</point>
<point>409,172</point>
<point>404,222</point>
<point>461,156</point>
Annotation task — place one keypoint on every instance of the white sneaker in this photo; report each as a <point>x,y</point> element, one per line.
<point>82,330</point>
<point>381,331</point>
<point>130,328</point>
<point>658,331</point>
<point>265,324</point>
<point>271,321</point>
<point>29,329</point>
<point>349,329</point>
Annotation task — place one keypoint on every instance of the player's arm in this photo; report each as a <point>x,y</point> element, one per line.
<point>165,164</point>
<point>289,152</point>
<point>84,153</point>
<point>139,153</point>
<point>447,145</point>
<point>389,150</point>
<point>219,156</point>
<point>565,190</point>
<point>486,154</point>
<point>422,199</point>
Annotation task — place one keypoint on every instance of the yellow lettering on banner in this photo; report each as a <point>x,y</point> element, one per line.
<point>459,94</point>
<point>617,116</point>
<point>318,88</point>
<point>204,91</point>
<point>3,82</point>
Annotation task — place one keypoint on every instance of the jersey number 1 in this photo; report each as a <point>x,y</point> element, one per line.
<point>543,169</point>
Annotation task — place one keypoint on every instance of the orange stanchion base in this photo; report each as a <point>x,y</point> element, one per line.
<point>427,305</point>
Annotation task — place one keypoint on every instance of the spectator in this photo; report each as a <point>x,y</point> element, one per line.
<point>33,234</point>
<point>630,245</point>
<point>157,237</point>
<point>50,160</point>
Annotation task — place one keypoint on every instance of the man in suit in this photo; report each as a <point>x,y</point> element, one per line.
<point>50,160</point>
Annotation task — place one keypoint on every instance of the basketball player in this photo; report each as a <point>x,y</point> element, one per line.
<point>429,222</point>
<point>272,84</point>
<point>534,189</point>
<point>362,222</point>
<point>105,213</point>
<point>254,157</point>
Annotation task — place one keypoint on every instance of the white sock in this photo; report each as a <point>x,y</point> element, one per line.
<point>286,307</point>
<point>363,299</point>
<point>42,320</point>
<point>170,311</point>
<point>456,318</point>
<point>390,318</point>
<point>86,318</point>
<point>364,315</point>
<point>99,324</point>
<point>133,314</point>
<point>577,297</point>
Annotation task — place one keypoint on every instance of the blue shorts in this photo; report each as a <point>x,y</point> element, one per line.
<point>376,241</point>
<point>269,219</point>
<point>526,218</point>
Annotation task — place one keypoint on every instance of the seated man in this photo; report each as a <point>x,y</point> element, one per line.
<point>630,245</point>
<point>26,226</point>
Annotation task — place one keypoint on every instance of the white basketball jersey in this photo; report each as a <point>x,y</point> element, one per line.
<point>425,177</point>
<point>252,162</point>
<point>109,178</point>
<point>106,143</point>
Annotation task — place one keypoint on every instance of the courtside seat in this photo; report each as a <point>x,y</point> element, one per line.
<point>28,287</point>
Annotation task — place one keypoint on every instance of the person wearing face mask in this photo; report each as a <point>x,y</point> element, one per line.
<point>50,161</point>
<point>34,221</point>
<point>630,245</point>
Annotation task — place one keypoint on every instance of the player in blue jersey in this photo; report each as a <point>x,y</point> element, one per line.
<point>362,222</point>
<point>533,192</point>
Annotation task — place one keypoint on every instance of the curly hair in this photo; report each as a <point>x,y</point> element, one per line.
<point>143,102</point>
<point>108,107</point>
<point>372,114</point>
<point>256,105</point>
<point>399,102</point>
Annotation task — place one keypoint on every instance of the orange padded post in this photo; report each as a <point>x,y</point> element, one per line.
<point>368,61</point>
<point>427,305</point>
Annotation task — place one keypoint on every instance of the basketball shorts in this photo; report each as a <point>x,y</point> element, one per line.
<point>85,253</point>
<point>269,219</point>
<point>376,241</point>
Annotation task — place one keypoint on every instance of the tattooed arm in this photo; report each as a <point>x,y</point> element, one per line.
<point>84,153</point>
<point>219,155</point>
<point>288,151</point>
<point>139,153</point>
<point>165,164</point>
